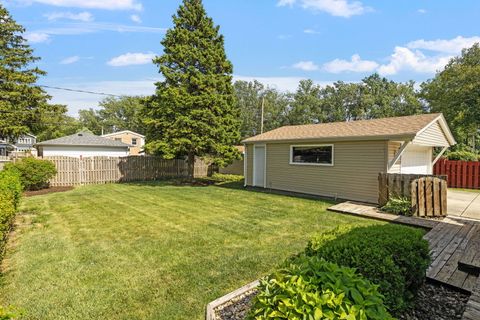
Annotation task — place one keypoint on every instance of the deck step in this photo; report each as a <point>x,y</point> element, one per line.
<point>470,260</point>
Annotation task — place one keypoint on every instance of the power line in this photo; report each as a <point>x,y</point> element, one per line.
<point>73,90</point>
<point>81,91</point>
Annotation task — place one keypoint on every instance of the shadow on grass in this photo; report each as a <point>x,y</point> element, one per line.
<point>236,184</point>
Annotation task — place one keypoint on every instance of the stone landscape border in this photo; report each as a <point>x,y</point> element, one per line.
<point>210,312</point>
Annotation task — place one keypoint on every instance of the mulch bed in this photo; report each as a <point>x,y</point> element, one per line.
<point>46,191</point>
<point>437,302</point>
<point>236,309</point>
<point>433,302</point>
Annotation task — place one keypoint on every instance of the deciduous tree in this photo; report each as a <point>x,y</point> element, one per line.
<point>455,91</point>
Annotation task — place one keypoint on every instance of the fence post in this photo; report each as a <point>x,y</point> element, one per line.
<point>382,189</point>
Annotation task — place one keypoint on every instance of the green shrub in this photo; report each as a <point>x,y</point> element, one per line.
<point>34,173</point>
<point>392,256</point>
<point>220,177</point>
<point>462,155</point>
<point>311,288</point>
<point>401,206</point>
<point>10,193</point>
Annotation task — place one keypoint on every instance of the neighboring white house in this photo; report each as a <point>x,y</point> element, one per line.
<point>82,144</point>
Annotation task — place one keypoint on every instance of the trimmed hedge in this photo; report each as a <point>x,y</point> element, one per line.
<point>311,288</point>
<point>10,193</point>
<point>34,173</point>
<point>392,256</point>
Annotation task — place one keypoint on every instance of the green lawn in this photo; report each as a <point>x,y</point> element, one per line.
<point>150,251</point>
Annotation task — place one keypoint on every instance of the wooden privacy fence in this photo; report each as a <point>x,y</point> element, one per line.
<point>461,174</point>
<point>100,170</point>
<point>428,193</point>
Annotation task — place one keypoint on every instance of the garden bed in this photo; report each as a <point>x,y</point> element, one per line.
<point>433,301</point>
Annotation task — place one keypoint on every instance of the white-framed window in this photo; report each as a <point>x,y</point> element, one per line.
<point>316,155</point>
<point>134,141</point>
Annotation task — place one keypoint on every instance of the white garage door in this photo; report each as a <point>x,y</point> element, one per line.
<point>417,160</point>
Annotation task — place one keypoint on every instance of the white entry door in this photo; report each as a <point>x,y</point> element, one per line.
<point>417,160</point>
<point>259,166</point>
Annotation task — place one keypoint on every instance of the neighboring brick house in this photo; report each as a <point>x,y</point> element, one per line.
<point>136,141</point>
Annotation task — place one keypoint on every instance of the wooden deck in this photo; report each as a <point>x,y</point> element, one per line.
<point>454,246</point>
<point>472,312</point>
<point>370,211</point>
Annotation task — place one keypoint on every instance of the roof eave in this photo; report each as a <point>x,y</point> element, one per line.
<point>78,145</point>
<point>400,137</point>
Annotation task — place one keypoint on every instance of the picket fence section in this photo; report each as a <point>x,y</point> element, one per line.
<point>100,170</point>
<point>461,174</point>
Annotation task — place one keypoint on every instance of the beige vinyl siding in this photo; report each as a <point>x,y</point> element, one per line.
<point>393,147</point>
<point>432,136</point>
<point>353,175</point>
<point>249,157</point>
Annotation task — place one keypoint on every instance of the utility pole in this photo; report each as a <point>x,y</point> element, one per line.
<point>263,107</point>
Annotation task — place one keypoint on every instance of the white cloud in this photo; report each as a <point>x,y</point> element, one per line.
<point>305,66</point>
<point>37,37</point>
<point>452,46</point>
<point>338,8</point>
<point>129,59</point>
<point>280,83</point>
<point>95,4</point>
<point>70,60</point>
<point>282,3</point>
<point>81,16</point>
<point>406,59</point>
<point>356,64</point>
<point>422,11</point>
<point>284,36</point>
<point>311,31</point>
<point>136,18</point>
<point>76,28</point>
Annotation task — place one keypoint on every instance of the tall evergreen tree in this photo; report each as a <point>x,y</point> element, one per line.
<point>193,111</point>
<point>22,102</point>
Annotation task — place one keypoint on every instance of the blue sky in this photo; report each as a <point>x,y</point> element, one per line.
<point>107,45</point>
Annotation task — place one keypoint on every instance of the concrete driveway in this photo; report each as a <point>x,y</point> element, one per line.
<point>464,203</point>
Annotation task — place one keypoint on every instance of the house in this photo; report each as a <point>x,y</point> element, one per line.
<point>23,144</point>
<point>135,140</point>
<point>343,159</point>
<point>82,144</point>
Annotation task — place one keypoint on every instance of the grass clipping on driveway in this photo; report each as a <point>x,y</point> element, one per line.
<point>150,251</point>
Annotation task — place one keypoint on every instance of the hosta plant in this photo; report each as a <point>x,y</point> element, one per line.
<point>311,288</point>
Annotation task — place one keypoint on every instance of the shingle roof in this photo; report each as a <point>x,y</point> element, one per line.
<point>83,138</point>
<point>407,126</point>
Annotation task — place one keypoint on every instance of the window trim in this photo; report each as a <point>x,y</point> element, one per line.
<point>308,163</point>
